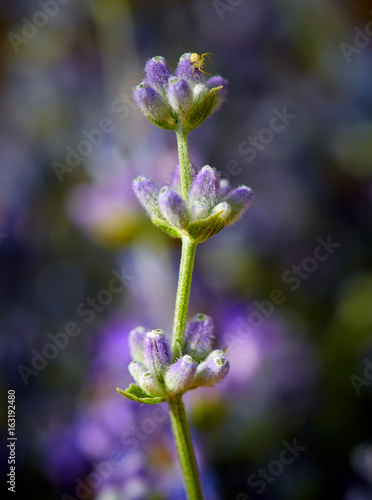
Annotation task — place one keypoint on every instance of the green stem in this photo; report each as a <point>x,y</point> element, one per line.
<point>184,160</point>
<point>185,449</point>
<point>183,293</point>
<point>180,426</point>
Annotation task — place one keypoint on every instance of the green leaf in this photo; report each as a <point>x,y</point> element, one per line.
<point>164,226</point>
<point>204,229</point>
<point>167,125</point>
<point>201,110</point>
<point>135,393</point>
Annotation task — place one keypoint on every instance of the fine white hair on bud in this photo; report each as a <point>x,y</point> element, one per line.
<point>223,209</point>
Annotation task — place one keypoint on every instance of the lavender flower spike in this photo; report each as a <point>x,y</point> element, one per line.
<point>211,371</point>
<point>199,337</point>
<point>156,351</point>
<point>147,193</point>
<point>157,73</point>
<point>173,208</point>
<point>239,201</point>
<point>205,187</point>
<point>179,376</point>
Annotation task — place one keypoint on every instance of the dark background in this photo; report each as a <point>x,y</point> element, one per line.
<point>300,370</point>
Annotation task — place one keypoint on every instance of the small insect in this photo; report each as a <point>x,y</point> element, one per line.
<point>198,61</point>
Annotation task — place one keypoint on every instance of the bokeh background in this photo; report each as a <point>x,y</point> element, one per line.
<point>71,231</point>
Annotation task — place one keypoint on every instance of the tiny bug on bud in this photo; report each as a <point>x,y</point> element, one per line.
<point>198,61</point>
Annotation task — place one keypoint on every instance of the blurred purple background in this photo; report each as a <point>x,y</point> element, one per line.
<point>289,286</point>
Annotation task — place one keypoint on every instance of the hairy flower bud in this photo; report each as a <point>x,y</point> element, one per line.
<point>211,371</point>
<point>144,379</point>
<point>147,193</point>
<point>239,201</point>
<point>215,353</point>
<point>199,337</point>
<point>180,96</point>
<point>223,209</point>
<point>157,73</point>
<point>154,106</point>
<point>136,337</point>
<point>199,211</point>
<point>136,369</point>
<point>156,352</point>
<point>224,189</point>
<point>200,92</point>
<point>180,374</point>
<point>186,69</point>
<point>216,82</point>
<point>173,208</point>
<point>151,385</point>
<point>205,187</point>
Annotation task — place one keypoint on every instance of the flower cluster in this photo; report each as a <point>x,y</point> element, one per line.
<point>184,99</point>
<point>211,205</point>
<point>159,374</point>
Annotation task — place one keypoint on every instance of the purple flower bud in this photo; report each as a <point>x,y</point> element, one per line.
<point>173,208</point>
<point>187,69</point>
<point>157,72</point>
<point>199,336</point>
<point>153,105</point>
<point>156,351</point>
<point>205,187</point>
<point>211,371</point>
<point>176,177</point>
<point>239,201</point>
<point>145,380</point>
<point>180,374</point>
<point>180,96</point>
<point>136,337</point>
<point>147,193</point>
<point>224,189</point>
<point>218,81</point>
